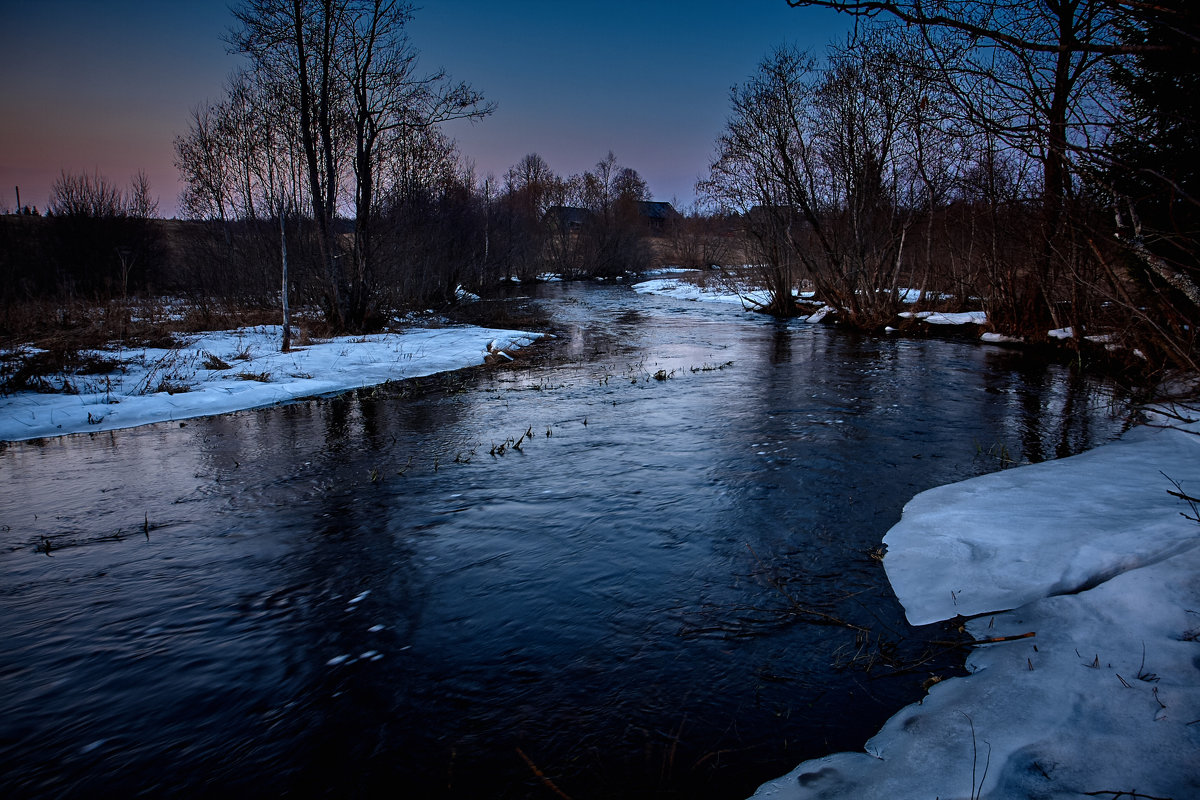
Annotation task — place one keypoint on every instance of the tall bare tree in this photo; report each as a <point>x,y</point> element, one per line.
<point>817,162</point>
<point>353,78</point>
<point>389,100</point>
<point>1032,74</point>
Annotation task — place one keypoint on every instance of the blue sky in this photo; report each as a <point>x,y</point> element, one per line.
<point>93,85</point>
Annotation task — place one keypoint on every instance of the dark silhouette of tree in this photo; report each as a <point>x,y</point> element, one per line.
<point>351,75</point>
<point>824,168</point>
<point>105,242</point>
<point>1152,168</point>
<point>613,240</point>
<point>531,188</point>
<point>1034,75</point>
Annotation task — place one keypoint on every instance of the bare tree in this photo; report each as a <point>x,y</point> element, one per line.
<point>200,157</point>
<point>83,195</point>
<point>531,188</point>
<point>389,100</point>
<point>815,161</point>
<point>353,79</point>
<point>242,166</point>
<point>104,235</point>
<point>1033,75</point>
<point>293,42</point>
<point>140,202</point>
<point>613,239</point>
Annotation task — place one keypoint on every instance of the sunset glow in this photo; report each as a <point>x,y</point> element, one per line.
<point>107,87</point>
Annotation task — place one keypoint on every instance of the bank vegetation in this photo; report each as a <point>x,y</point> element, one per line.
<point>1032,160</point>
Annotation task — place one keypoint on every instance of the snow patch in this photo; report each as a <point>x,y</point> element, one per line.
<point>248,372</point>
<point>1099,563</point>
<point>948,318</point>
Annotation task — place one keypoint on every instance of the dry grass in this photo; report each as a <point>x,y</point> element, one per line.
<point>140,322</point>
<point>213,362</point>
<point>40,339</point>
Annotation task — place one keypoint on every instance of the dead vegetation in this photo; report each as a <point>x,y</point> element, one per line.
<point>50,345</point>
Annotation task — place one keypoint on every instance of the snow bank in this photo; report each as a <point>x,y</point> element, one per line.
<point>992,337</point>
<point>684,290</point>
<point>1000,541</point>
<point>947,318</point>
<point>1098,561</point>
<point>256,375</point>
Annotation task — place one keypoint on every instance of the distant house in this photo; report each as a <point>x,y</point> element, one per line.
<point>658,215</point>
<point>567,219</point>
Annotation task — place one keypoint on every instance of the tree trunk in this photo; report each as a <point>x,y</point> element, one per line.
<point>287,312</point>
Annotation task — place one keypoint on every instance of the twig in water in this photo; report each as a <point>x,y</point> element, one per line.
<point>549,784</point>
<point>990,640</point>
<point>796,607</point>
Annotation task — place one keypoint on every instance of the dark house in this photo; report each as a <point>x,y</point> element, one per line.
<point>658,215</point>
<point>566,218</point>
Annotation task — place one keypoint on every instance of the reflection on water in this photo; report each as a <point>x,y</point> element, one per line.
<point>630,585</point>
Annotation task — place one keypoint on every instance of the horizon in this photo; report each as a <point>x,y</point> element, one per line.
<point>106,88</point>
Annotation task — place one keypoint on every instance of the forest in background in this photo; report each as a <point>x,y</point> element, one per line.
<point>1032,159</point>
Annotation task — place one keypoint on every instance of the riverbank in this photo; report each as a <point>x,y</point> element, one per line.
<point>1078,578</point>
<point>606,596</point>
<point>225,371</point>
<point>752,299</point>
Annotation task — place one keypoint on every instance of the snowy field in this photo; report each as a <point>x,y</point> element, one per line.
<point>224,371</point>
<point>1094,558</point>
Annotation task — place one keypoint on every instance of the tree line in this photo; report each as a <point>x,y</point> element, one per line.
<point>1036,156</point>
<point>322,176</point>
<point>1032,157</point>
<point>333,130</point>
<point>97,238</point>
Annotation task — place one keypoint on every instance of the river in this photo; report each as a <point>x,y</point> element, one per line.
<point>641,561</point>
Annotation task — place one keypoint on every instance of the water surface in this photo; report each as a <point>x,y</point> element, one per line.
<point>670,588</point>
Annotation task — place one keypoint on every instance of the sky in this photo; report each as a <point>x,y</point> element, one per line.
<point>106,86</point>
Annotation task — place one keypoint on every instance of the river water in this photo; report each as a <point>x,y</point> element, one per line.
<point>642,561</point>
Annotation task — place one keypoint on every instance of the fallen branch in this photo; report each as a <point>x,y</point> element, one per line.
<point>990,640</point>
<point>549,784</point>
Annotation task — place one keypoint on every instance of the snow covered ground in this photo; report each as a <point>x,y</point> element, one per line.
<point>686,290</point>
<point>224,371</point>
<point>948,318</point>
<point>757,298</point>
<point>1093,556</point>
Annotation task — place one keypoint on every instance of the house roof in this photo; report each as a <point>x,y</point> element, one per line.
<point>567,215</point>
<point>657,210</point>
